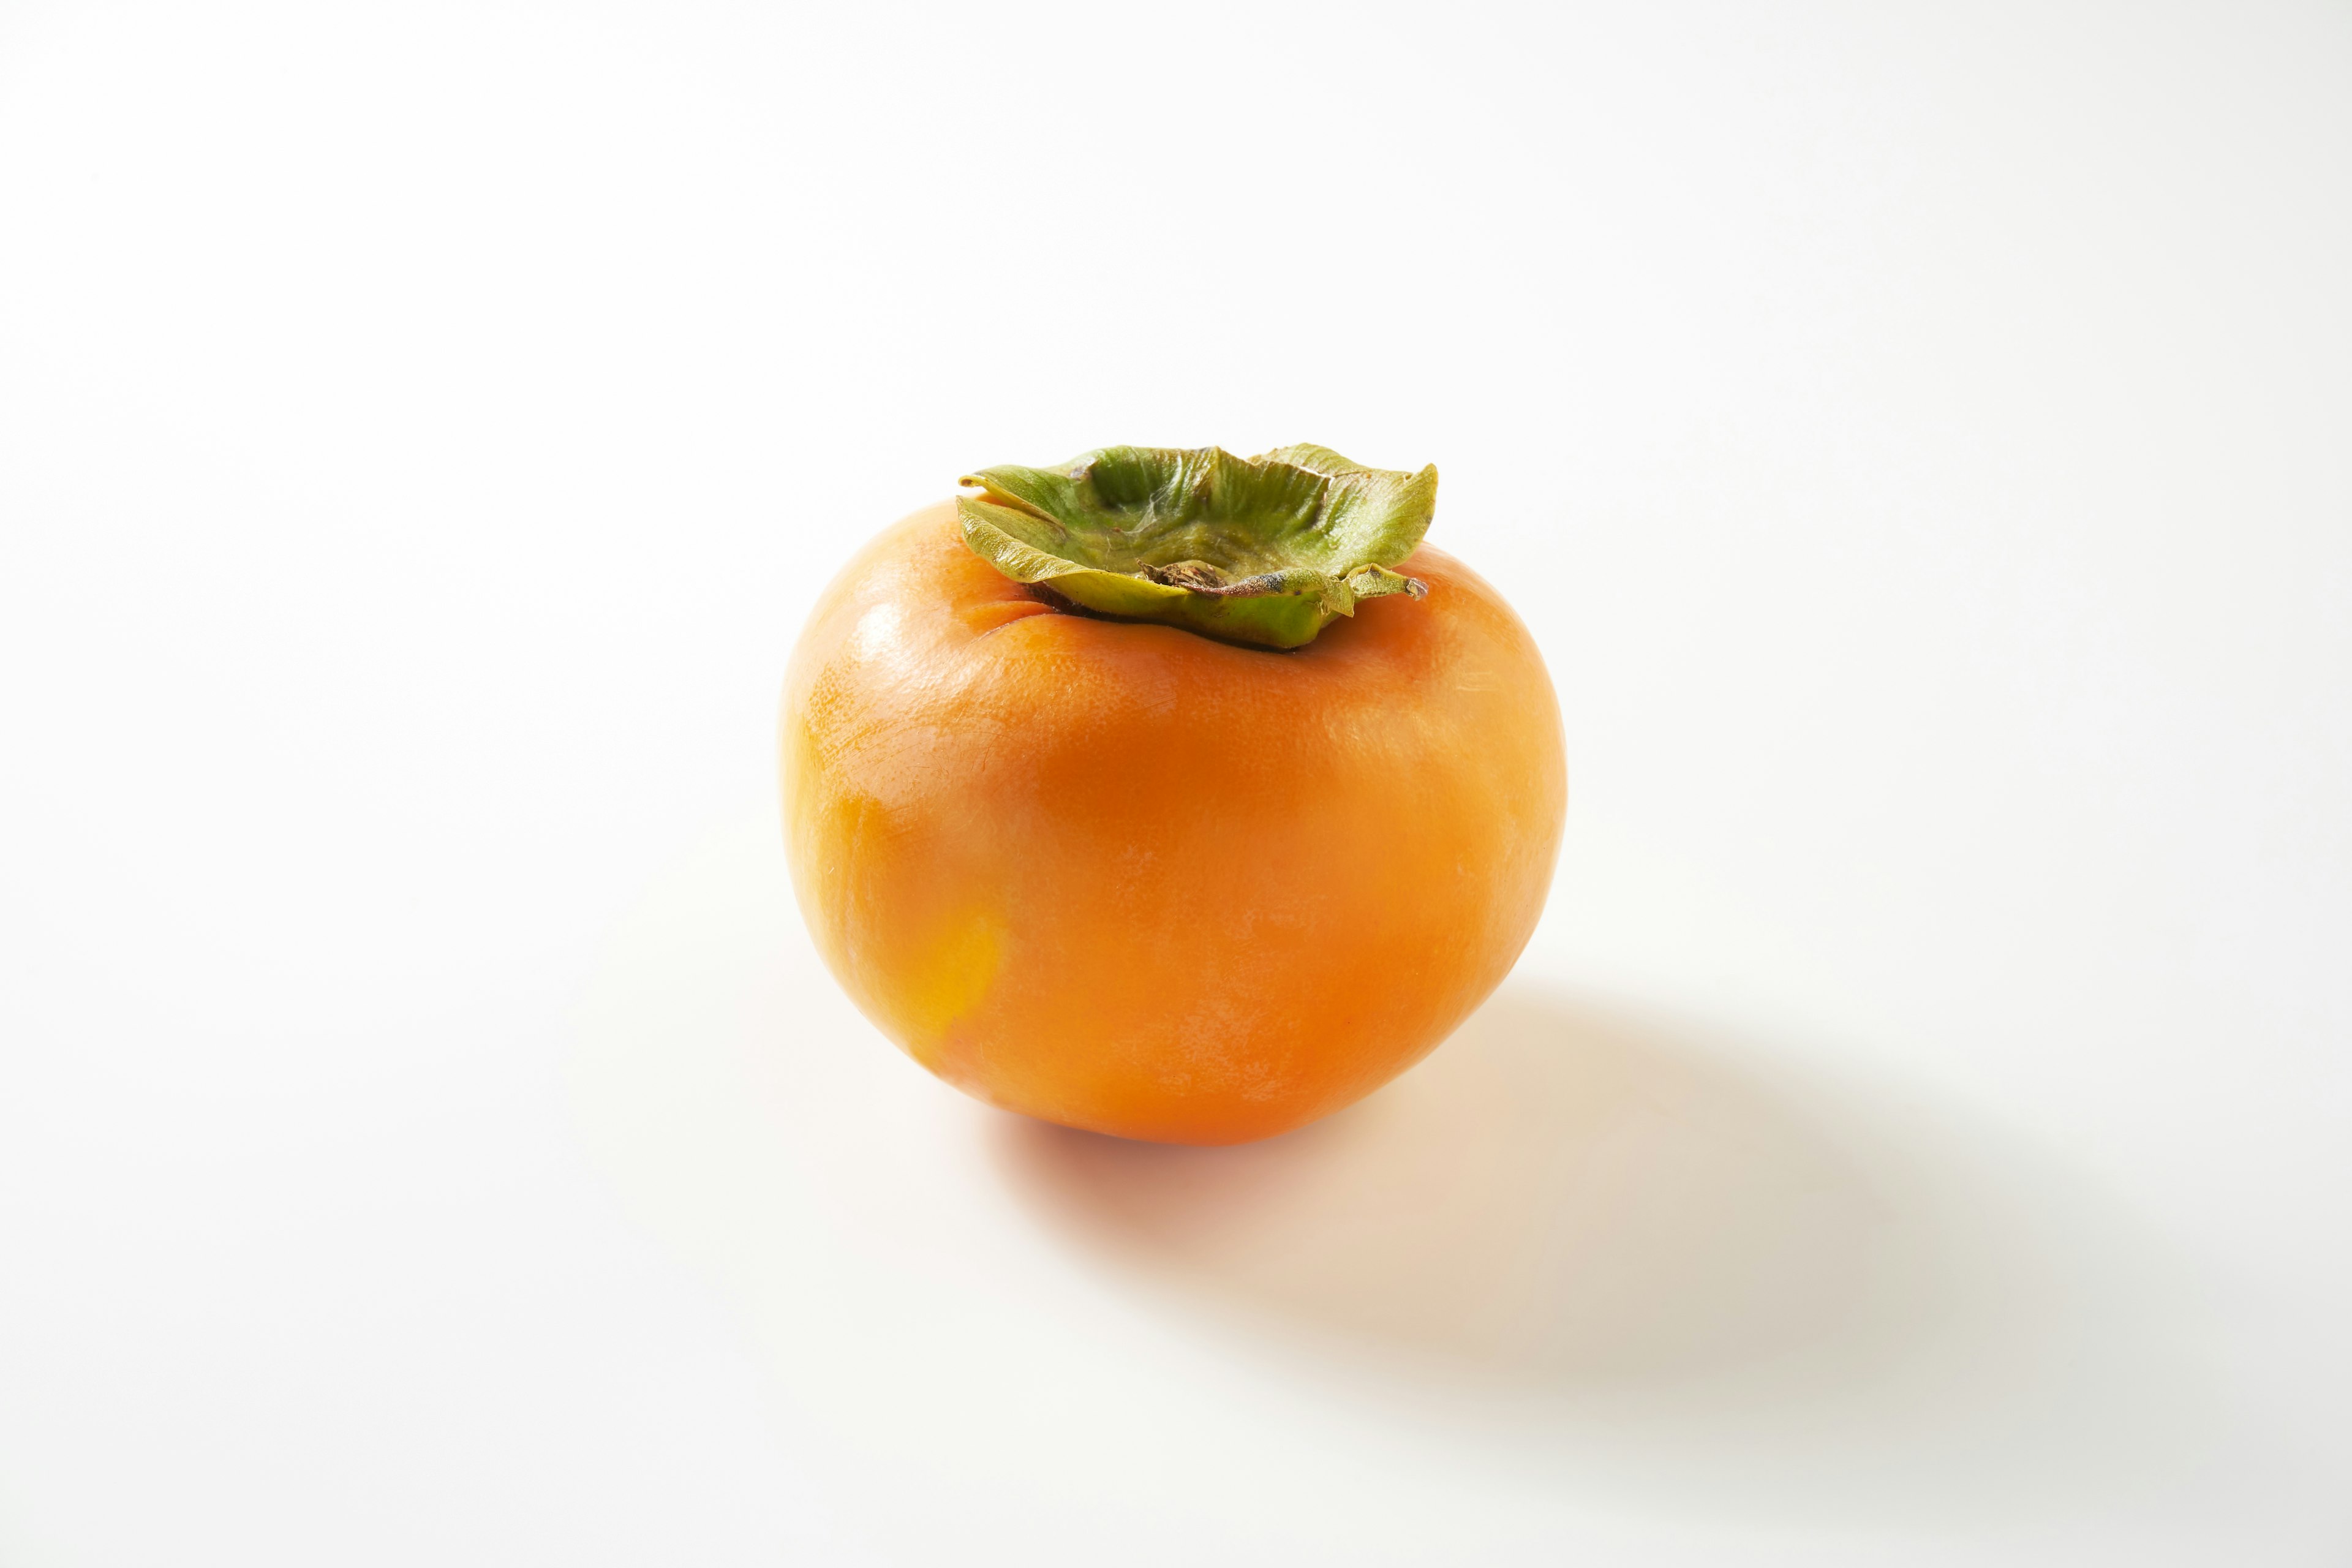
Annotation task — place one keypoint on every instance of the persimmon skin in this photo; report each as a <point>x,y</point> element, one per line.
<point>1128,879</point>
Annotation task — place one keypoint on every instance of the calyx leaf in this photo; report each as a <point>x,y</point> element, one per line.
<point>1261,550</point>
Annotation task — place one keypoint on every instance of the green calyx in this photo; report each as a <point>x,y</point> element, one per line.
<point>1260,549</point>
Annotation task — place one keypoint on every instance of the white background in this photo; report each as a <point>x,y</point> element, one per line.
<point>1920,438</point>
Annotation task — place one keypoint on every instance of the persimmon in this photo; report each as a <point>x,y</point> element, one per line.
<point>1167,794</point>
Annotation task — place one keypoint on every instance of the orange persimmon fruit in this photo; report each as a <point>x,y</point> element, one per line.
<point>1167,794</point>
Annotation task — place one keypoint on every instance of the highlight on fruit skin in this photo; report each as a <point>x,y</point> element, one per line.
<point>1167,794</point>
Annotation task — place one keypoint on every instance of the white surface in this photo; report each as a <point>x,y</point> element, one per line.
<point>1919,439</point>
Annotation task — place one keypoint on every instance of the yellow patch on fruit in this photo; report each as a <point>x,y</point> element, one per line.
<point>951,977</point>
